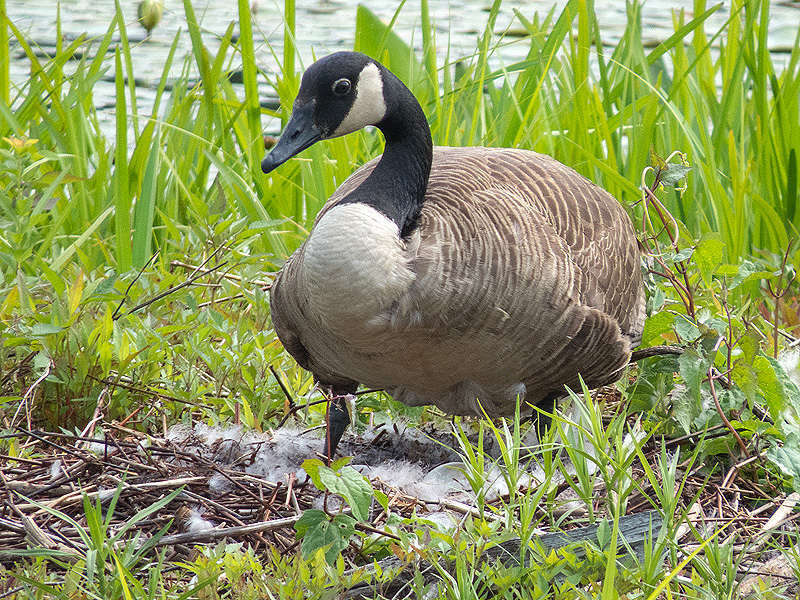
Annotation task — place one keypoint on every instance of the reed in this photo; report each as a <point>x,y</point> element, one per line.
<point>719,99</point>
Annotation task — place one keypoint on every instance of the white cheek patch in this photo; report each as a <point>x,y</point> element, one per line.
<point>369,107</point>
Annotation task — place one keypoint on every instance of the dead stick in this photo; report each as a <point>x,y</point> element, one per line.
<point>212,535</point>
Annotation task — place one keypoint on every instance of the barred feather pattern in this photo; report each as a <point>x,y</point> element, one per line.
<point>519,276</point>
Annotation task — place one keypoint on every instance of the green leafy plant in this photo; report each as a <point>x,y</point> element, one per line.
<point>106,564</point>
<point>331,533</point>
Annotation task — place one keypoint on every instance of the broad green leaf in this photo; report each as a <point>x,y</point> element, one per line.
<point>746,377</point>
<point>790,392</point>
<point>750,343</point>
<point>694,369</point>
<point>708,255</point>
<point>685,409</point>
<point>770,387</point>
<point>42,329</point>
<point>787,459</point>
<point>352,486</point>
<point>309,519</point>
<point>312,466</point>
<point>41,361</point>
<point>684,254</point>
<point>721,445</point>
<point>655,326</point>
<point>382,499</point>
<point>341,462</point>
<point>674,174</point>
<point>346,482</point>
<point>329,536</point>
<point>749,271</point>
<point>665,364</point>
<point>104,286</point>
<point>686,328</point>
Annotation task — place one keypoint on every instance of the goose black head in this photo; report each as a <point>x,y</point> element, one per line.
<point>339,94</point>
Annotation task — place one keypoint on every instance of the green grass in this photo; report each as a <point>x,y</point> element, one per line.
<point>93,228</point>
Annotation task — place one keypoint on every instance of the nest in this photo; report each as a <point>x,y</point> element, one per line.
<point>204,485</point>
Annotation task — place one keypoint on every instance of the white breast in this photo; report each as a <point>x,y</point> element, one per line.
<point>354,267</point>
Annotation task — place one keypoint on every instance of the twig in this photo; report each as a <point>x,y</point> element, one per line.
<point>158,394</point>
<point>683,288</point>
<point>783,511</point>
<point>778,294</point>
<point>643,353</point>
<point>29,394</point>
<point>196,274</point>
<point>466,509</point>
<point>694,438</point>
<point>213,535</point>
<point>220,508</point>
<point>721,412</point>
<point>174,289</point>
<point>783,514</point>
<point>115,316</point>
<point>51,443</point>
<point>265,285</point>
<point>285,390</point>
<point>220,300</point>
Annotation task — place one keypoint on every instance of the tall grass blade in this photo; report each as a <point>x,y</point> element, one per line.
<point>377,39</point>
<point>122,200</point>
<point>202,62</point>
<point>145,208</point>
<point>254,145</point>
<point>144,141</point>
<point>791,189</point>
<point>5,57</point>
<point>126,54</point>
<point>429,47</point>
<point>289,45</point>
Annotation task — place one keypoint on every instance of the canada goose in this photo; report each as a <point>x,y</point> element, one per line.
<point>467,278</point>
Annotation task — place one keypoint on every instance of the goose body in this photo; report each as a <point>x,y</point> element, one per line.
<point>468,278</point>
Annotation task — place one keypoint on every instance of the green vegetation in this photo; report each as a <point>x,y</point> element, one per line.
<point>94,230</point>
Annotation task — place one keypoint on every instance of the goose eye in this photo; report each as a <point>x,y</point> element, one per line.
<point>341,87</point>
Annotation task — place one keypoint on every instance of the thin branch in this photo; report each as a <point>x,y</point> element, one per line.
<point>721,413</point>
<point>213,535</point>
<point>174,289</point>
<point>116,315</point>
<point>286,393</point>
<point>199,272</point>
<point>265,285</point>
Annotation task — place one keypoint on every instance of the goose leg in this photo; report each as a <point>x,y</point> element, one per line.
<point>543,420</point>
<point>337,416</point>
<point>338,420</point>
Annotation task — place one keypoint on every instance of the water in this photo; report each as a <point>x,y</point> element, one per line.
<point>324,26</point>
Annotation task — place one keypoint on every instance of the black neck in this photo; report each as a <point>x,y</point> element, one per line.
<point>396,187</point>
